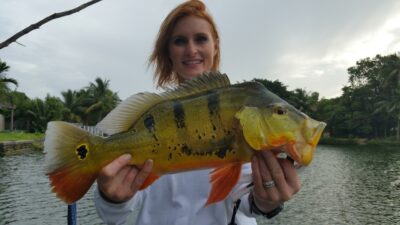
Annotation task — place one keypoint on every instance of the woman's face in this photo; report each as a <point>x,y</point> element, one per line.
<point>192,47</point>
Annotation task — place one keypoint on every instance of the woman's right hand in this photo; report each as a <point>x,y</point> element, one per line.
<point>119,181</point>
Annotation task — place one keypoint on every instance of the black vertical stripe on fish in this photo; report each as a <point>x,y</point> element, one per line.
<point>179,114</point>
<point>213,103</point>
<point>213,108</point>
<point>149,123</point>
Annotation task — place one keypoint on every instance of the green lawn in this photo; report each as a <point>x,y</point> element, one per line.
<point>13,136</point>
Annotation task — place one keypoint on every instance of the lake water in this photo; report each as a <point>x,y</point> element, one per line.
<point>343,185</point>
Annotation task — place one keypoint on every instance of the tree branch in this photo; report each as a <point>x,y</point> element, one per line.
<point>45,20</point>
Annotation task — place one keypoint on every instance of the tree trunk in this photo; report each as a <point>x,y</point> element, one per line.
<point>12,120</point>
<point>398,129</point>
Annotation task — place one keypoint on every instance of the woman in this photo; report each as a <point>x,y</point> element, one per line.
<point>188,45</point>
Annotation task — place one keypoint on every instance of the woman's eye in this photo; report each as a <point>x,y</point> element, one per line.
<point>179,41</point>
<point>201,39</point>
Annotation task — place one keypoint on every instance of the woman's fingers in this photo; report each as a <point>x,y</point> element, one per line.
<point>119,181</point>
<point>272,192</point>
<point>278,175</point>
<point>257,179</point>
<point>115,166</point>
<point>266,168</point>
<point>142,175</point>
<point>290,172</point>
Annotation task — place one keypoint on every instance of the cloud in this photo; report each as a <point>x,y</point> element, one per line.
<point>305,44</point>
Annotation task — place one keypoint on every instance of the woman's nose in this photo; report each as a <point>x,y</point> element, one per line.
<point>191,48</point>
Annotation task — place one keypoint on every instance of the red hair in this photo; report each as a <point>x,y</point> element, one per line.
<point>164,74</point>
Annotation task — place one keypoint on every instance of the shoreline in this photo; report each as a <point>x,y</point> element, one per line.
<point>358,141</point>
<point>19,146</point>
<point>11,147</point>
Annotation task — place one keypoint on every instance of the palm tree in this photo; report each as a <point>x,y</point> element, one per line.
<point>5,98</point>
<point>91,104</point>
<point>41,112</point>
<point>4,80</point>
<point>391,105</point>
<point>103,100</point>
<point>389,98</point>
<point>73,106</point>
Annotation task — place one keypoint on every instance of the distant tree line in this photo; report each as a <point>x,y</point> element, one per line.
<point>86,106</point>
<point>369,106</point>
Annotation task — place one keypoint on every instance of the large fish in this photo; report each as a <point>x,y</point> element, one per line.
<point>204,123</point>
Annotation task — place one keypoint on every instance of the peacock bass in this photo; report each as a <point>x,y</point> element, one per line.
<point>204,123</point>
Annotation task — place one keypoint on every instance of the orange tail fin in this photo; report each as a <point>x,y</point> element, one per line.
<point>70,185</point>
<point>68,160</point>
<point>223,179</point>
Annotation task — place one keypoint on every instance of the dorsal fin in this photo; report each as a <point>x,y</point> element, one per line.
<point>127,112</point>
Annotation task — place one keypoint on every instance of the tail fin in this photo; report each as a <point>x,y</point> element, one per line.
<point>68,157</point>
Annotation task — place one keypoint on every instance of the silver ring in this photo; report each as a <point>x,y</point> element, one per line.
<point>269,184</point>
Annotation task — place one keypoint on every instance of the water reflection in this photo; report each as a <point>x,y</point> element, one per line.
<point>342,186</point>
<point>25,196</point>
<point>347,186</point>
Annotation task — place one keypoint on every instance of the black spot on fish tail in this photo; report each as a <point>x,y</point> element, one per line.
<point>179,114</point>
<point>221,153</point>
<point>82,151</point>
<point>149,123</point>
<point>186,150</point>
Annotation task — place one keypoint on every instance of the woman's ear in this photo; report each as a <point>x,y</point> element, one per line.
<point>216,46</point>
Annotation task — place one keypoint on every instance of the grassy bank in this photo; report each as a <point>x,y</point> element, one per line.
<point>16,136</point>
<point>19,136</point>
<point>359,141</point>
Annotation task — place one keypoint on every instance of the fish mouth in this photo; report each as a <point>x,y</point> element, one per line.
<point>302,150</point>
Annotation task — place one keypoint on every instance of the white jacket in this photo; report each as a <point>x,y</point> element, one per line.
<point>178,199</point>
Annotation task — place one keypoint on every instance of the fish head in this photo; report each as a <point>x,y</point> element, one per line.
<point>280,126</point>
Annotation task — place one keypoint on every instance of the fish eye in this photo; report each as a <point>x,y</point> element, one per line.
<point>280,110</point>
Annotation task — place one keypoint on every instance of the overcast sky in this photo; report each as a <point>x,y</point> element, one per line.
<point>305,44</point>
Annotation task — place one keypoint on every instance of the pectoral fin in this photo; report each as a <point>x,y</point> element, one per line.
<point>223,179</point>
<point>253,127</point>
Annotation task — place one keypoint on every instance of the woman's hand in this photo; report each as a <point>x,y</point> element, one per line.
<point>275,180</point>
<point>119,181</point>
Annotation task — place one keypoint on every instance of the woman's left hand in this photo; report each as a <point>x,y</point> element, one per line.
<point>275,180</point>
